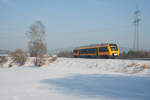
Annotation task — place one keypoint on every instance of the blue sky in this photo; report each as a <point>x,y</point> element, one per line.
<point>71,23</point>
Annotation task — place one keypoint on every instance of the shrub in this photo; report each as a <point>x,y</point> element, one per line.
<point>134,54</point>
<point>3,59</point>
<point>19,57</point>
<point>10,65</point>
<point>67,54</point>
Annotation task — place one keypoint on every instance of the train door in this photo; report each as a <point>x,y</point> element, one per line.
<point>96,52</point>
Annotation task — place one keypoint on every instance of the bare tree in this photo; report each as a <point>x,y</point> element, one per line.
<point>37,47</point>
<point>36,32</point>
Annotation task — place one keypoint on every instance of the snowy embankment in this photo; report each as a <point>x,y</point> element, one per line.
<point>76,79</point>
<point>94,66</point>
<point>102,66</point>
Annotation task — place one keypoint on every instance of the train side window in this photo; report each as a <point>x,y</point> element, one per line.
<point>92,50</point>
<point>103,49</point>
<point>83,51</point>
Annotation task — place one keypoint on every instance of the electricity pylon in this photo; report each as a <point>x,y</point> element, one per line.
<point>136,22</point>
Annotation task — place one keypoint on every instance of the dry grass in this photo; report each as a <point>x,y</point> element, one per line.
<point>137,67</point>
<point>42,63</point>
<point>133,64</point>
<point>136,71</point>
<point>144,66</point>
<point>52,59</point>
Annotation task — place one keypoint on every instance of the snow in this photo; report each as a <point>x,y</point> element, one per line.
<point>77,79</point>
<point>107,87</point>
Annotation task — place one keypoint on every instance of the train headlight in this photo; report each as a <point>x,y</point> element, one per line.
<point>114,54</point>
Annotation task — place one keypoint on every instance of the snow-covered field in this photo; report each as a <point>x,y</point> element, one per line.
<point>77,79</point>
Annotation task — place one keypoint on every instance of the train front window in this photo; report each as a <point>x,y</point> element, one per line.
<point>75,51</point>
<point>113,47</point>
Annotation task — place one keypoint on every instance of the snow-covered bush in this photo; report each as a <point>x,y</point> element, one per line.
<point>3,60</point>
<point>19,57</point>
<point>52,59</point>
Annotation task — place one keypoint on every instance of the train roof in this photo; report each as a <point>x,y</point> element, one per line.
<point>95,45</point>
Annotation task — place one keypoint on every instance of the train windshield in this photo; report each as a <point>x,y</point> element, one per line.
<point>113,47</point>
<point>75,51</point>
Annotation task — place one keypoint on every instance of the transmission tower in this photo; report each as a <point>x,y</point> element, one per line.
<point>137,19</point>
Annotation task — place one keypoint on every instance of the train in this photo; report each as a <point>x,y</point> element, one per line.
<point>107,50</point>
